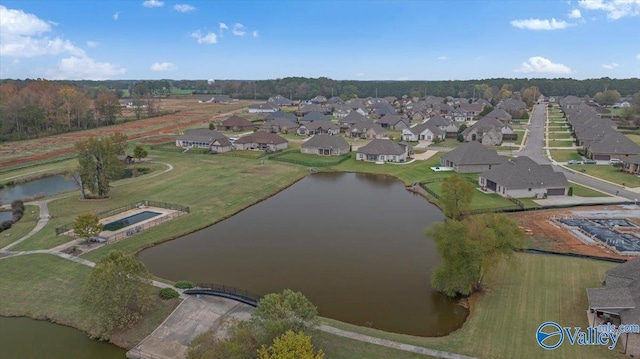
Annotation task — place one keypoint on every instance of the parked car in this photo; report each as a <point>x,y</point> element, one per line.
<point>613,161</point>
<point>574,162</point>
<point>590,162</point>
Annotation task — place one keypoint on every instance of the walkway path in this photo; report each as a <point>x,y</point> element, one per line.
<point>42,221</point>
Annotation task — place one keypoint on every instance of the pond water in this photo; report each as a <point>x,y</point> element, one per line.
<point>354,244</point>
<point>5,216</point>
<point>47,186</point>
<point>28,338</point>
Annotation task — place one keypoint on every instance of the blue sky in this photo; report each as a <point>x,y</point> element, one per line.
<point>361,40</point>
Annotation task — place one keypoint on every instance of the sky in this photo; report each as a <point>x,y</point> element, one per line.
<point>356,40</point>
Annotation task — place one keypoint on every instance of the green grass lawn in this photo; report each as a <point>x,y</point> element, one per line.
<point>505,318</point>
<point>634,138</point>
<point>43,286</point>
<point>407,173</point>
<point>582,191</point>
<point>448,142</point>
<point>561,143</point>
<point>558,136</point>
<point>336,347</point>
<point>309,159</point>
<point>33,169</point>
<point>24,226</point>
<point>480,200</point>
<point>565,155</point>
<point>610,173</point>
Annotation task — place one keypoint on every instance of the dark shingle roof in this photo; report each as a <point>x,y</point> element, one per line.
<point>201,135</point>
<point>473,153</point>
<point>523,172</point>
<point>315,116</point>
<point>353,117</point>
<point>326,141</point>
<point>615,142</point>
<point>281,114</point>
<point>382,147</point>
<point>324,124</point>
<point>238,121</point>
<point>261,137</point>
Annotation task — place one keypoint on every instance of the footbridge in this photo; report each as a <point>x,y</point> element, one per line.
<point>225,291</point>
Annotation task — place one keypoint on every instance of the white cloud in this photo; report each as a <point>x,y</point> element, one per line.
<point>575,14</point>
<point>18,23</point>
<point>615,9</point>
<point>222,27</point>
<point>255,34</point>
<point>164,66</point>
<point>116,16</point>
<point>443,58</point>
<point>238,30</point>
<point>91,43</point>
<point>610,66</point>
<point>209,38</point>
<point>540,65</point>
<point>183,8</point>
<point>84,68</point>
<point>540,24</point>
<point>153,3</point>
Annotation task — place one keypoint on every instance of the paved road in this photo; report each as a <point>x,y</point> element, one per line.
<point>535,150</point>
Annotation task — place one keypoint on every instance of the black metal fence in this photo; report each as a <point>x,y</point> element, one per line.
<point>140,204</point>
<point>225,291</point>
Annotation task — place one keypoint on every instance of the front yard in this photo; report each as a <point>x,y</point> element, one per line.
<point>565,155</point>
<point>610,173</point>
<point>561,143</point>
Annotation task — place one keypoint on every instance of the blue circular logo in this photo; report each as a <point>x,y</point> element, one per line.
<point>550,335</point>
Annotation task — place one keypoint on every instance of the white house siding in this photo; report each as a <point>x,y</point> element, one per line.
<point>220,149</point>
<point>259,110</point>
<point>470,168</point>
<point>185,144</point>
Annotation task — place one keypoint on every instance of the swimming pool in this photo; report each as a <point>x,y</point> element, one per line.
<point>128,221</point>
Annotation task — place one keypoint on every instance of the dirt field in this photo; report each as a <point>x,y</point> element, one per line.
<point>563,241</point>
<point>190,113</point>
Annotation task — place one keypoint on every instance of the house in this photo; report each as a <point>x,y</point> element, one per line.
<point>383,150</point>
<point>499,114</point>
<point>340,110</point>
<point>126,159</point>
<point>204,138</point>
<point>263,108</point>
<point>394,122</point>
<point>314,116</point>
<point>439,121</point>
<point>325,145</point>
<point>318,127</point>
<point>523,178</point>
<point>622,104</point>
<point>236,123</point>
<point>366,129</point>
<point>472,157</point>
<point>618,303</point>
<point>631,164</point>
<point>281,114</point>
<point>280,125</point>
<point>471,110</point>
<point>312,108</point>
<point>225,99</point>
<point>487,131</point>
<point>320,100</point>
<point>352,118</point>
<point>423,132</point>
<point>262,141</point>
<point>280,101</point>
<point>613,145</point>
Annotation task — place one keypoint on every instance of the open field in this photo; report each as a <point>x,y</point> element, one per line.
<point>43,286</point>
<point>24,226</point>
<point>565,155</point>
<point>520,298</point>
<point>189,113</point>
<point>39,170</point>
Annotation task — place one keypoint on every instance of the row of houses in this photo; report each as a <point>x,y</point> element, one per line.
<point>217,142</point>
<point>517,178</point>
<point>599,136</point>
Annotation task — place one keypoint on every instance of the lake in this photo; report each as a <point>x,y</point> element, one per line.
<point>354,244</point>
<point>47,186</point>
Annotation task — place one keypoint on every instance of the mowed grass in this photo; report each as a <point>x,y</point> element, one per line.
<point>558,136</point>
<point>214,187</point>
<point>43,286</point>
<point>611,174</point>
<point>480,200</point>
<point>634,138</point>
<point>20,229</point>
<point>504,319</point>
<point>565,155</point>
<point>310,159</point>
<point>583,191</point>
<point>561,143</point>
<point>407,173</point>
<point>336,347</point>
<point>39,170</point>
<point>448,142</point>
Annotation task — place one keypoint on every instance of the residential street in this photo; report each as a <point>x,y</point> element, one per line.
<point>535,150</point>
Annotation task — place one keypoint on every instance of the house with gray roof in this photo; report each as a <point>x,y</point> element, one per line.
<point>472,157</point>
<point>366,129</point>
<point>281,114</point>
<point>204,138</point>
<point>383,150</point>
<point>263,108</point>
<point>523,178</point>
<point>280,125</point>
<point>618,303</point>
<point>352,118</point>
<point>236,123</point>
<point>326,145</point>
<point>261,141</point>
<point>318,127</point>
<point>314,116</point>
<point>281,101</point>
<point>423,132</point>
<point>488,131</point>
<point>394,122</point>
<point>613,145</point>
<point>499,114</point>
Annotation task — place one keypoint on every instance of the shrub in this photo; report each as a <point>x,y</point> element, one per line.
<point>168,293</point>
<point>184,284</point>
<point>16,217</point>
<point>17,204</point>
<point>6,225</point>
<point>570,191</point>
<point>460,138</point>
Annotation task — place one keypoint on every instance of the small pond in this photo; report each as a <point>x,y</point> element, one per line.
<point>47,186</point>
<point>354,244</point>
<point>5,216</point>
<point>28,338</point>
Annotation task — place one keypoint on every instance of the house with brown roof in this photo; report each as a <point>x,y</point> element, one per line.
<point>236,123</point>
<point>325,145</point>
<point>523,178</point>
<point>472,157</point>
<point>263,108</point>
<point>394,122</point>
<point>261,141</point>
<point>618,303</point>
<point>318,127</point>
<point>366,130</point>
<point>384,150</point>
<point>280,125</point>
<point>488,131</point>
<point>204,138</point>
